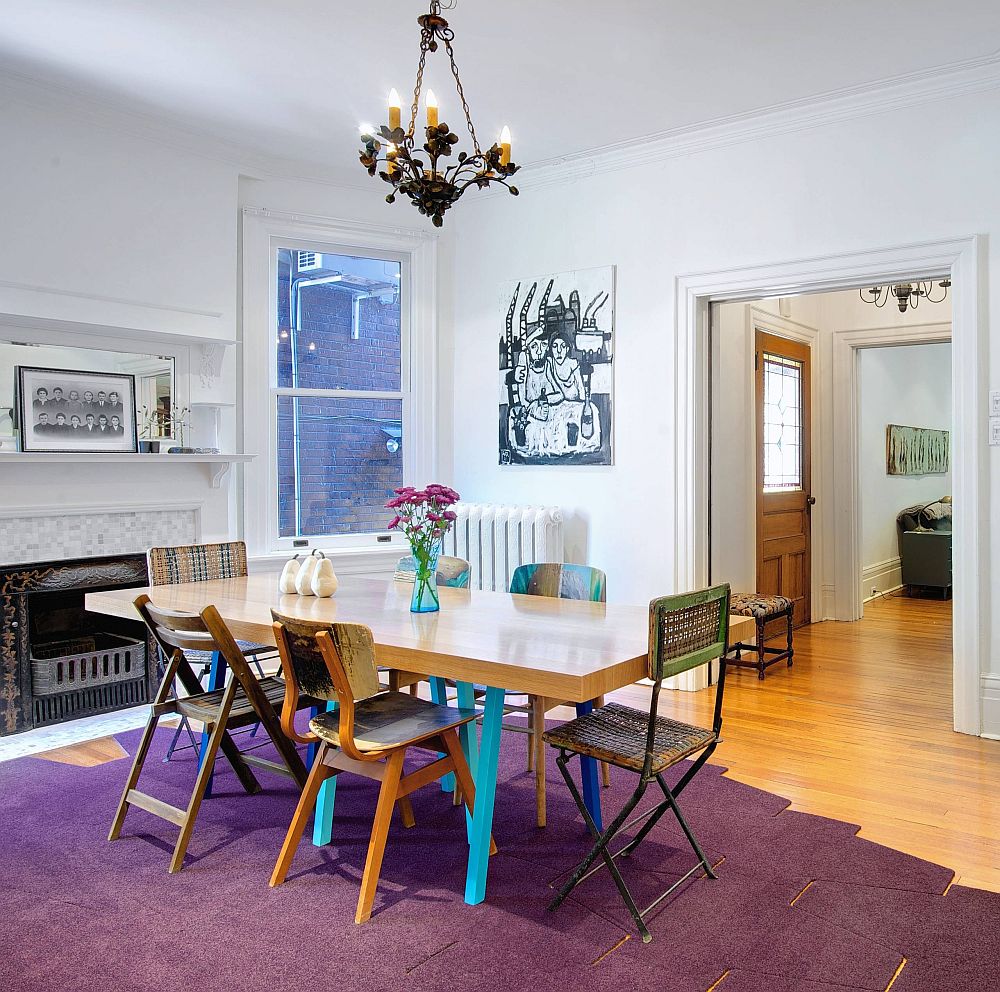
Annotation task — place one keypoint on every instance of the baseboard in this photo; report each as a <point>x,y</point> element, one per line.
<point>990,696</point>
<point>884,576</point>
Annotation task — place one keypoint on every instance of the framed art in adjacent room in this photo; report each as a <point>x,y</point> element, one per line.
<point>68,410</point>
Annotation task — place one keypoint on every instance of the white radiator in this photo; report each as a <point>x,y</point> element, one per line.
<point>496,539</point>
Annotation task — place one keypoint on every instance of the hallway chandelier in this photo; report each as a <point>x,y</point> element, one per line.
<point>433,188</point>
<point>906,294</point>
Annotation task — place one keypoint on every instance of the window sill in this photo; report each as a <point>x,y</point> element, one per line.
<point>378,560</point>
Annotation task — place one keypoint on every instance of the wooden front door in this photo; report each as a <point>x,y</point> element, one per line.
<point>783,470</point>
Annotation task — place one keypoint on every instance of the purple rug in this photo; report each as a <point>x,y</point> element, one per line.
<point>78,913</point>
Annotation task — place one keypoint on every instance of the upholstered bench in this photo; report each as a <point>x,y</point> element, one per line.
<point>764,609</point>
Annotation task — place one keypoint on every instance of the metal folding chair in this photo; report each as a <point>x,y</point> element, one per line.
<point>685,632</point>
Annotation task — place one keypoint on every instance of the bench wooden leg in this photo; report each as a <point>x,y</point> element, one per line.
<point>761,657</point>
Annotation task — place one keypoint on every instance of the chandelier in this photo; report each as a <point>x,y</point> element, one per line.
<point>433,186</point>
<point>906,294</point>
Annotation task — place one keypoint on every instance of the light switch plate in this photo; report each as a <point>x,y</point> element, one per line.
<point>995,402</point>
<point>995,430</point>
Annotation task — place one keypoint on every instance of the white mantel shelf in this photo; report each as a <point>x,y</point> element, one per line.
<point>219,465</point>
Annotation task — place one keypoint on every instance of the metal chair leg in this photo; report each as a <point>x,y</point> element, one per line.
<point>600,849</point>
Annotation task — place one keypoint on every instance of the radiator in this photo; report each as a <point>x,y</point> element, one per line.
<point>496,539</point>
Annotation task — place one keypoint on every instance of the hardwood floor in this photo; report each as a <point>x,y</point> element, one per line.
<point>858,730</point>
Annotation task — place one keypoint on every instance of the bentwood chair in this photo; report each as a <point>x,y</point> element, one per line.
<point>243,701</point>
<point>369,733</point>
<point>685,632</point>
<point>454,572</point>
<point>201,563</point>
<point>451,572</point>
<point>564,581</point>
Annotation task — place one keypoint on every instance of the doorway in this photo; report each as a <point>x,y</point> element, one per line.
<point>692,406</point>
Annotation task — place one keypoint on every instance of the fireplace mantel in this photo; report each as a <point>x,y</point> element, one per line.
<point>219,464</point>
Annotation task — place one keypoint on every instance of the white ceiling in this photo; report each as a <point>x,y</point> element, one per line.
<point>294,79</point>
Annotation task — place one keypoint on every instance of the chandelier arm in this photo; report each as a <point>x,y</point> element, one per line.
<point>461,95</point>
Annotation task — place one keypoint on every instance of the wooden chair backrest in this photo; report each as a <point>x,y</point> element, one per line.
<point>332,661</point>
<point>560,579</point>
<point>206,631</point>
<point>196,563</point>
<point>452,572</point>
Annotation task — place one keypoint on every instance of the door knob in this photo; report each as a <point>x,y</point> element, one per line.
<point>810,501</point>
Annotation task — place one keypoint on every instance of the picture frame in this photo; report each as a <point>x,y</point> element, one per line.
<point>69,410</point>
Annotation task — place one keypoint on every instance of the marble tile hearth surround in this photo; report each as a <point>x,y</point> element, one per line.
<point>28,535</point>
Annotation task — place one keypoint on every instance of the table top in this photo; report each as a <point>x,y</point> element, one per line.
<point>565,649</point>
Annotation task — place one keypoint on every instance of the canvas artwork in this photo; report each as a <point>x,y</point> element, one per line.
<point>66,410</point>
<point>916,450</point>
<point>556,374</point>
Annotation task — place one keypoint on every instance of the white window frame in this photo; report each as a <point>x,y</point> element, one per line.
<point>264,232</point>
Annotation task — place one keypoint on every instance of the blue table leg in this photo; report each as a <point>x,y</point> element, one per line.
<point>216,680</point>
<point>588,766</point>
<point>470,742</point>
<point>323,814</point>
<point>439,694</point>
<point>485,773</point>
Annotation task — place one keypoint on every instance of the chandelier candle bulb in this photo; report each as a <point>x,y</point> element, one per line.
<point>432,109</point>
<point>395,109</point>
<point>505,146</point>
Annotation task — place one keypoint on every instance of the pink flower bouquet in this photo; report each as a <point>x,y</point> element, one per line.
<point>424,516</point>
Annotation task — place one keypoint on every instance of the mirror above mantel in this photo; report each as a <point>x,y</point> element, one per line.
<point>155,383</point>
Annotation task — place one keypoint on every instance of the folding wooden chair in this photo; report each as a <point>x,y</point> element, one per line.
<point>244,701</point>
<point>368,734</point>
<point>684,632</point>
<point>201,563</point>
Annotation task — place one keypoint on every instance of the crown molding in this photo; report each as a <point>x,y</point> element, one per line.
<point>850,103</point>
<point>870,99</point>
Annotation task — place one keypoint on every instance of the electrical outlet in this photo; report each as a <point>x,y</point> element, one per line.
<point>995,402</point>
<point>994,431</point>
<point>874,590</point>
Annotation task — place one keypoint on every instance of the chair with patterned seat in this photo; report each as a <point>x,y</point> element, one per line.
<point>202,563</point>
<point>764,608</point>
<point>685,632</point>
<point>369,733</point>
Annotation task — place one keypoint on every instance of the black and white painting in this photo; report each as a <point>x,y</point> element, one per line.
<point>556,373</point>
<point>67,410</point>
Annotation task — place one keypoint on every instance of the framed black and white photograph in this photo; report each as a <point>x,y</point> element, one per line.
<point>556,375</point>
<point>68,410</point>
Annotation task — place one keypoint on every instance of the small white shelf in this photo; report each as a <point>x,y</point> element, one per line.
<point>219,464</point>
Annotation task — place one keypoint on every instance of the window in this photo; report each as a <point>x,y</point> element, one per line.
<point>782,423</point>
<point>339,393</point>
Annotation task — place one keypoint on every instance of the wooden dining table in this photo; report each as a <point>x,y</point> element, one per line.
<point>563,649</point>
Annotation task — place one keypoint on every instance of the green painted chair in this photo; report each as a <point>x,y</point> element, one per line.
<point>685,632</point>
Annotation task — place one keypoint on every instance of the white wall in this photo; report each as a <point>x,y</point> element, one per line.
<point>909,385</point>
<point>844,186</point>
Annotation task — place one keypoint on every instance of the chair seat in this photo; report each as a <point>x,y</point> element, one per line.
<point>249,649</point>
<point>205,705</point>
<point>758,605</point>
<point>391,719</point>
<point>617,734</point>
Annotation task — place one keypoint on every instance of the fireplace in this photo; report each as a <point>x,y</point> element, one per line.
<point>57,661</point>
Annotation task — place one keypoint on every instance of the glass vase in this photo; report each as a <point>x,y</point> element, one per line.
<point>425,590</point>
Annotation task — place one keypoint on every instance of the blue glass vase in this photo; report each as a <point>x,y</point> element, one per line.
<point>425,590</point>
